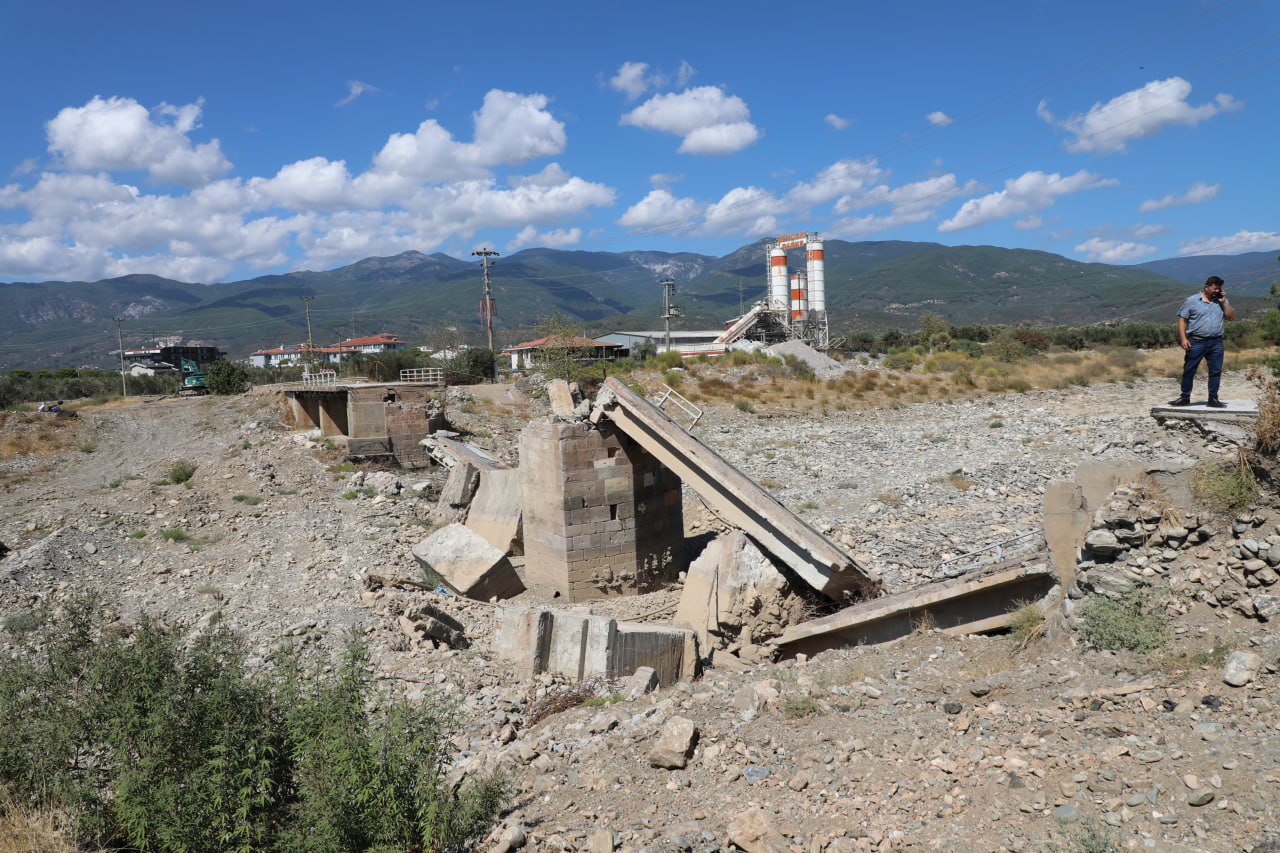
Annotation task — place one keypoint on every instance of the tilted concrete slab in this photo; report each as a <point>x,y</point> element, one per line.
<point>495,511</point>
<point>735,497</point>
<point>468,564</point>
<point>582,645</point>
<point>963,605</point>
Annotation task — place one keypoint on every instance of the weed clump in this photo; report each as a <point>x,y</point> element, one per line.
<point>181,472</point>
<point>1131,621</point>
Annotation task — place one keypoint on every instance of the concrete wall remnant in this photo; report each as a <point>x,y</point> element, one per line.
<point>582,645</point>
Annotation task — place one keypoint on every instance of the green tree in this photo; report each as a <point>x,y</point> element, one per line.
<point>227,378</point>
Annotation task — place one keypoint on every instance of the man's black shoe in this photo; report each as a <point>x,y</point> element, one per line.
<point>1181,401</point>
<point>1215,403</point>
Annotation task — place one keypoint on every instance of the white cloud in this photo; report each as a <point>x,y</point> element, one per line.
<point>355,88</point>
<point>1029,223</point>
<point>665,179</point>
<point>911,203</point>
<point>26,167</point>
<point>1113,251</point>
<point>558,238</point>
<point>719,138</point>
<point>711,121</point>
<point>1232,244</point>
<point>842,178</point>
<point>631,79</point>
<point>838,122</point>
<point>509,128</point>
<point>1199,192</point>
<point>423,190</point>
<point>743,210</point>
<point>119,134</point>
<point>1107,128</point>
<point>661,211</point>
<point>1142,232</point>
<point>860,226</point>
<point>312,184</point>
<point>1028,193</point>
<point>938,118</point>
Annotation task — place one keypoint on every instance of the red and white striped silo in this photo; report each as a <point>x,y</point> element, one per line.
<point>816,267</point>
<point>799,297</point>
<point>778,278</point>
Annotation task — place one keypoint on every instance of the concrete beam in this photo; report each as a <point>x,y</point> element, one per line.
<point>735,497</point>
<point>964,605</point>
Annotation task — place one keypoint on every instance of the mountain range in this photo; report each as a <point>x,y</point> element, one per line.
<point>435,299</point>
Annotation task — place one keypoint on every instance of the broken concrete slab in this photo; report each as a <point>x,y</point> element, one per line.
<point>737,499</point>
<point>496,509</point>
<point>468,565</point>
<point>582,645</point>
<point>733,591</point>
<point>460,486</point>
<point>560,395</point>
<point>969,604</point>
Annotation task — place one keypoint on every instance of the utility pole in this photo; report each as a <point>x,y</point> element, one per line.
<point>306,301</point>
<point>668,310</point>
<point>124,388</point>
<point>486,307</point>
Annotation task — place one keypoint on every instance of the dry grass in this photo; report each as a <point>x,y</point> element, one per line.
<point>33,434</point>
<point>23,830</point>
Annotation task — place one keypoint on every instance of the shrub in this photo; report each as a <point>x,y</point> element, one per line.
<point>181,472</point>
<point>743,405</point>
<point>247,500</point>
<point>160,742</point>
<point>1130,621</point>
<point>224,377</point>
<point>174,534</point>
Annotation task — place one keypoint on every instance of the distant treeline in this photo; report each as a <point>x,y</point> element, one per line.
<point>935,331</point>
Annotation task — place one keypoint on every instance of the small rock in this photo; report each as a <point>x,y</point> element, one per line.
<point>675,744</point>
<point>1066,813</point>
<point>1202,797</point>
<point>1241,668</point>
<point>755,833</point>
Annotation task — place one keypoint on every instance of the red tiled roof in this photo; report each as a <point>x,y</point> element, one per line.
<point>380,338</point>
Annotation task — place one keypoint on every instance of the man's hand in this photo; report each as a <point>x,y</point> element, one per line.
<point>1186,345</point>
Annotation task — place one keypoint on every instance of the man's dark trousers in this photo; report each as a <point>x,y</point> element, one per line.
<point>1203,349</point>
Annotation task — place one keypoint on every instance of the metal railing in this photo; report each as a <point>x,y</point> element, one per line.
<point>320,377</point>
<point>1024,544</point>
<point>684,406</point>
<point>425,375</point>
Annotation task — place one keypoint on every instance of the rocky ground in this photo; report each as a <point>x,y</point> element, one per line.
<point>931,742</point>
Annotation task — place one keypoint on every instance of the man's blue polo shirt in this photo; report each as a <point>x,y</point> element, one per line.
<point>1204,319</point>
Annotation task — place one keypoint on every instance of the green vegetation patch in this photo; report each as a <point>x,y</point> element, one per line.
<point>193,749</point>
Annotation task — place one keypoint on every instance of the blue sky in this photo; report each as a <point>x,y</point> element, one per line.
<point>214,142</point>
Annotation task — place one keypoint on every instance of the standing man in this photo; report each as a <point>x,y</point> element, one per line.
<point>1200,326</point>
